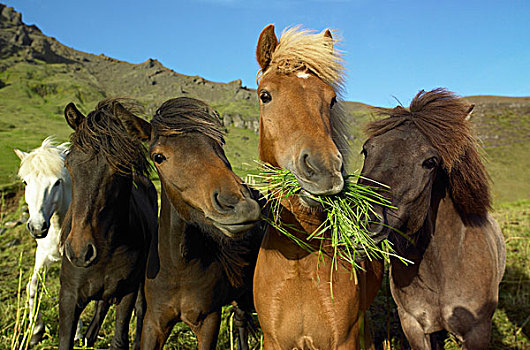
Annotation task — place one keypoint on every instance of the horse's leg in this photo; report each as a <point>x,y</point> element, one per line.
<point>438,339</point>
<point>367,332</point>
<point>78,330</point>
<point>139,309</point>
<point>208,331</point>
<point>100,311</point>
<point>269,344</point>
<point>418,340</point>
<point>241,322</point>
<point>40,261</point>
<point>69,312</point>
<point>123,317</point>
<point>157,325</point>
<point>478,337</point>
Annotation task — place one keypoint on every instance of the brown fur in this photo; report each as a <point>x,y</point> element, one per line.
<point>441,117</point>
<point>439,189</point>
<point>300,128</point>
<point>196,266</point>
<point>303,50</point>
<point>109,224</point>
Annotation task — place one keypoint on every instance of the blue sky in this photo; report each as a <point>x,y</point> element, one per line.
<point>392,48</point>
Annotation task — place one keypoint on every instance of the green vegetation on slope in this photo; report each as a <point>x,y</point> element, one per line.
<point>31,108</point>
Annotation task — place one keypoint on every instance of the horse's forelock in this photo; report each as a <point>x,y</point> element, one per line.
<point>181,115</point>
<point>46,160</point>
<point>302,49</point>
<point>103,132</point>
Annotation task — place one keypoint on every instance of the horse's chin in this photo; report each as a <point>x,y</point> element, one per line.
<point>235,231</point>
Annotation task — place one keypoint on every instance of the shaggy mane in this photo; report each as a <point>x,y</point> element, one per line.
<point>304,50</point>
<point>103,132</point>
<point>46,160</point>
<point>441,117</point>
<point>183,114</point>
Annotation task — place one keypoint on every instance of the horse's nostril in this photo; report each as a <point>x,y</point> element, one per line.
<point>68,251</point>
<point>224,203</point>
<point>90,253</point>
<point>307,168</point>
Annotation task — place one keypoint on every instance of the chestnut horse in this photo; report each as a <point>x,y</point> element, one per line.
<point>301,130</point>
<point>208,238</point>
<point>110,222</point>
<point>429,158</point>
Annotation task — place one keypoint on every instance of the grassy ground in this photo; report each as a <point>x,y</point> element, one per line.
<point>511,323</point>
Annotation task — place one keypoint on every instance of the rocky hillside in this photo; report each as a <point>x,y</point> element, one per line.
<point>149,82</point>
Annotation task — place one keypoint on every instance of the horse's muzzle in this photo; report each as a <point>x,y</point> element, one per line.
<point>36,231</point>
<point>86,257</point>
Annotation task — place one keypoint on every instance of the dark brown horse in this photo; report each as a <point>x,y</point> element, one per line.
<point>301,130</point>
<point>208,240</point>
<point>429,158</point>
<point>112,217</point>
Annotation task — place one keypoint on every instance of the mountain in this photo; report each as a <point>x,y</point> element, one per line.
<point>39,76</point>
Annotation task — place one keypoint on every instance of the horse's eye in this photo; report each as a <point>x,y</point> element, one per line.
<point>333,101</point>
<point>265,96</point>
<point>24,182</point>
<point>429,163</point>
<point>57,183</point>
<point>158,158</point>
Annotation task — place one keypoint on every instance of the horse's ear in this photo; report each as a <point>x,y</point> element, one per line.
<point>20,154</point>
<point>266,45</point>
<point>73,116</point>
<point>135,126</point>
<point>327,34</point>
<point>469,111</point>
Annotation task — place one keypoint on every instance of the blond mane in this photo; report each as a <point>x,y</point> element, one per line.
<point>304,50</point>
<point>46,160</point>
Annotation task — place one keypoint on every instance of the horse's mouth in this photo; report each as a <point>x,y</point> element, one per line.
<point>307,200</point>
<point>235,230</point>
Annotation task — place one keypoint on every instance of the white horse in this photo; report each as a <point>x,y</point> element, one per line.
<point>48,195</point>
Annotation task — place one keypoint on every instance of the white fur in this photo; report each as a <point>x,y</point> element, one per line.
<point>303,75</point>
<point>48,201</point>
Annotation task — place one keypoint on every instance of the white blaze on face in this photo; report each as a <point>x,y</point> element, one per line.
<point>303,75</point>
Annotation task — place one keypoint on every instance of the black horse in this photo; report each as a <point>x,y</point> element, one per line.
<point>429,158</point>
<point>112,217</point>
<point>209,233</point>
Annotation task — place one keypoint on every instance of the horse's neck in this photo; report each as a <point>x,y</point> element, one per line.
<point>442,227</point>
<point>66,198</point>
<point>175,234</point>
<point>304,221</point>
